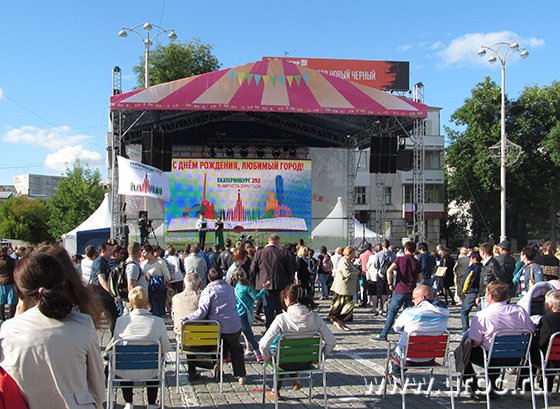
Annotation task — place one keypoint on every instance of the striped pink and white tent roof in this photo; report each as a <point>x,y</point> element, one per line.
<point>268,86</point>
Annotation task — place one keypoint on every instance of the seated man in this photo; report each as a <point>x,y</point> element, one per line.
<point>217,302</point>
<point>427,315</point>
<point>498,315</point>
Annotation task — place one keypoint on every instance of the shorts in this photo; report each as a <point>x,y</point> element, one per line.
<point>371,287</point>
<point>8,294</point>
<point>382,286</point>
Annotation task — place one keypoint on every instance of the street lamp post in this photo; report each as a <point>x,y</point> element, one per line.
<point>501,51</point>
<point>148,41</point>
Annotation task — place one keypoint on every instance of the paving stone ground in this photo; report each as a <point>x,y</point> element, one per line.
<point>354,375</point>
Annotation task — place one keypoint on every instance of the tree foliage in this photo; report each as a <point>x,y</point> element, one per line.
<point>24,219</point>
<point>532,121</point>
<point>176,61</point>
<point>77,196</point>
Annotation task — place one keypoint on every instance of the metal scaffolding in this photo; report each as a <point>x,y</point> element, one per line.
<point>381,208</point>
<point>351,195</point>
<point>117,230</point>
<point>418,185</point>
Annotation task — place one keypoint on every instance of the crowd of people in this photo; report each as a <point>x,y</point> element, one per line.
<point>54,302</point>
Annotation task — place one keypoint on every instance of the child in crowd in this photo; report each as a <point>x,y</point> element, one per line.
<point>245,296</point>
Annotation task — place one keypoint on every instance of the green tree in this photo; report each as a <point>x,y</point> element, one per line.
<point>176,61</point>
<point>77,196</point>
<point>473,177</point>
<point>24,219</point>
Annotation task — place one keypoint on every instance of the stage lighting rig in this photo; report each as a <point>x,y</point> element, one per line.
<point>275,153</point>
<point>212,152</point>
<point>244,152</point>
<point>260,152</point>
<point>229,152</point>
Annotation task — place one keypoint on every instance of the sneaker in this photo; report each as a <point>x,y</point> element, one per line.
<point>241,380</point>
<point>345,327</point>
<point>379,338</point>
<point>248,352</point>
<point>397,381</point>
<point>128,406</point>
<point>259,359</point>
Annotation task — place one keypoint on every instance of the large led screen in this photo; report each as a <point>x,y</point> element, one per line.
<point>249,195</point>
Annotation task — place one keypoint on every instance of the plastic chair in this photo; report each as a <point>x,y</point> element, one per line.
<point>297,349</point>
<point>200,333</point>
<point>138,361</point>
<point>552,356</point>
<point>422,345</point>
<point>511,346</point>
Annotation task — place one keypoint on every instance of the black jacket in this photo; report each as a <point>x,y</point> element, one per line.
<point>491,271</point>
<point>507,265</point>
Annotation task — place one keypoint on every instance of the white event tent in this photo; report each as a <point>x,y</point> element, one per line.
<point>332,231</point>
<point>95,229</point>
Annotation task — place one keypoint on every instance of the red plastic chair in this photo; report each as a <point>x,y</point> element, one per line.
<point>422,345</point>
<point>552,356</point>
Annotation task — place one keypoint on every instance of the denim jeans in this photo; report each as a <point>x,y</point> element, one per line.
<point>324,287</point>
<point>397,301</point>
<point>468,303</point>
<point>248,332</point>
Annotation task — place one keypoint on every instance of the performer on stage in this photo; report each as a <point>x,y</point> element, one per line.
<point>201,226</point>
<point>143,227</point>
<point>219,230</point>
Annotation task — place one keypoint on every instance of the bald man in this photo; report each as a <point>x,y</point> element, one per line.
<point>427,315</point>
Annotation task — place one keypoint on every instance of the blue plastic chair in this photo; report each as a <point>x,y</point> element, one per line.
<point>513,346</point>
<point>142,361</point>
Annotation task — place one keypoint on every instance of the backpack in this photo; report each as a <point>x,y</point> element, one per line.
<point>384,266</point>
<point>327,264</point>
<point>118,281</point>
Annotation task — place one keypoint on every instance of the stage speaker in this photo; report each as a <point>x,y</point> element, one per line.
<point>405,160</point>
<point>363,217</point>
<point>383,154</point>
<point>157,149</point>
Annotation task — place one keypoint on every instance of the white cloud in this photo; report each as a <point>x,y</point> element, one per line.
<point>404,47</point>
<point>65,157</point>
<point>49,138</point>
<point>463,50</point>
<point>438,45</point>
<point>1,94</point>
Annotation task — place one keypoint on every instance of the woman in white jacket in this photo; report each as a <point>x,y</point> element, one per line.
<point>298,318</point>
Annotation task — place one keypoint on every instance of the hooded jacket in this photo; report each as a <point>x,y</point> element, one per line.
<point>300,320</point>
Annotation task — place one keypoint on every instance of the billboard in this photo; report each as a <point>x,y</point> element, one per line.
<point>384,75</point>
<point>249,195</point>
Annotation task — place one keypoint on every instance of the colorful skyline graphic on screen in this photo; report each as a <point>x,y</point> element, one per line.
<point>247,194</point>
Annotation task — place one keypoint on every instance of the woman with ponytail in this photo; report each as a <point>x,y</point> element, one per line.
<point>298,318</point>
<point>50,348</point>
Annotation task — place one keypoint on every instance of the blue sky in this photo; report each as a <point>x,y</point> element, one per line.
<point>56,57</point>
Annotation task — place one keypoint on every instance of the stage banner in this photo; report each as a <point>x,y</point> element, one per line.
<point>251,196</point>
<point>138,179</point>
<point>384,75</point>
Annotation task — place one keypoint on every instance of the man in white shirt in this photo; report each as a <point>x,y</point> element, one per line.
<point>427,315</point>
<point>335,258</point>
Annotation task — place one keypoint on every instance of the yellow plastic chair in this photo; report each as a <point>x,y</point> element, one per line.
<point>195,334</point>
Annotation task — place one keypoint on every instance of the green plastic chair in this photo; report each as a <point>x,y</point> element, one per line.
<point>297,349</point>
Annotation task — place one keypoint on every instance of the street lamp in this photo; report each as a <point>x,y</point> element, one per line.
<point>148,41</point>
<point>501,51</point>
